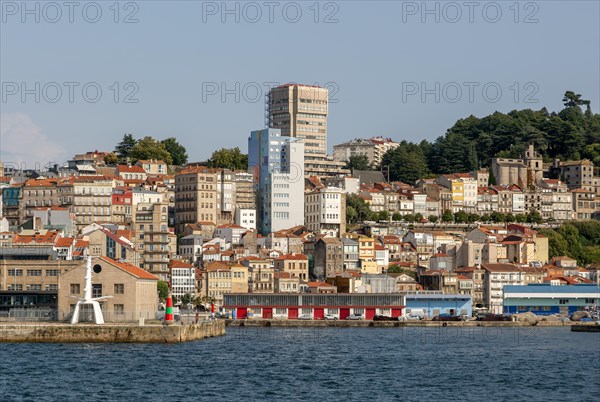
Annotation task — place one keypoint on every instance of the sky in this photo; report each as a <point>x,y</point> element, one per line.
<point>76,77</point>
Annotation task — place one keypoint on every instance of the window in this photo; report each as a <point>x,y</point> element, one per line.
<point>589,301</point>
<point>119,309</point>
<point>563,301</point>
<point>280,311</point>
<point>15,272</point>
<point>97,290</point>
<point>52,287</point>
<point>119,288</point>
<point>75,289</point>
<point>34,287</point>
<point>34,272</point>
<point>52,272</point>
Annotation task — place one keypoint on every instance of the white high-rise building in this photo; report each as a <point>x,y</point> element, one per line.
<point>277,164</point>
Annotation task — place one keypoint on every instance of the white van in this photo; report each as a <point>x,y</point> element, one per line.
<point>414,313</point>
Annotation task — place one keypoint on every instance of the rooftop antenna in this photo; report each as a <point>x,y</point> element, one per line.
<point>87,295</point>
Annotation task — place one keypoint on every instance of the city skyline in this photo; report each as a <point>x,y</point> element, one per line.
<point>196,90</point>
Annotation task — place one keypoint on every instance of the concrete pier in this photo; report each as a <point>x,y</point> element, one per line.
<point>388,324</point>
<point>109,333</point>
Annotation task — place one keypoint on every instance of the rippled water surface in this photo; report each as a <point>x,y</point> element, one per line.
<point>426,364</point>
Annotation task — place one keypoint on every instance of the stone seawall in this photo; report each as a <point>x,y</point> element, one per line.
<point>109,333</point>
<point>390,324</point>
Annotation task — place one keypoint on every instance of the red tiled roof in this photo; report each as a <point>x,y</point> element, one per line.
<point>48,237</point>
<point>130,268</point>
<point>319,285</point>
<point>180,264</point>
<point>293,257</point>
<point>130,169</point>
<point>64,242</point>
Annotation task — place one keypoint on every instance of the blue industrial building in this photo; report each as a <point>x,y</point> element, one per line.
<point>542,299</point>
<point>436,304</point>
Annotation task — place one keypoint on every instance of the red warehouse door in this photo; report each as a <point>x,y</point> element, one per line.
<point>344,313</point>
<point>370,314</point>
<point>267,313</point>
<point>319,314</point>
<point>292,313</point>
<point>396,312</point>
<point>242,313</point>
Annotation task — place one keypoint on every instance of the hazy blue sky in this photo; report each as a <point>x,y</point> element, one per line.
<point>370,57</point>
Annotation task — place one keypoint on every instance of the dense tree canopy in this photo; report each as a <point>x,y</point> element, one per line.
<point>149,148</point>
<point>176,150</point>
<point>578,240</point>
<point>406,163</point>
<point>357,210</point>
<point>169,150</point>
<point>123,148</point>
<point>229,158</point>
<point>358,162</point>
<point>472,142</point>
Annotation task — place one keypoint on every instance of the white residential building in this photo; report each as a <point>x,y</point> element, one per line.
<point>325,211</point>
<point>246,217</point>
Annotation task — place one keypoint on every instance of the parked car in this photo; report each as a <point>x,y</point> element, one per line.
<point>494,317</point>
<point>446,317</point>
<point>409,317</point>
<point>305,317</point>
<point>330,317</point>
<point>355,316</point>
<point>384,318</point>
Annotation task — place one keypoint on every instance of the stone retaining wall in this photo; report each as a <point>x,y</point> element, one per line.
<point>87,333</point>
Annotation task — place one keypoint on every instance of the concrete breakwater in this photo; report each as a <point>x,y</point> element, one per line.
<point>388,324</point>
<point>109,333</point>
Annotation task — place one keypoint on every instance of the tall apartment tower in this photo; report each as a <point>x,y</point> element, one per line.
<point>300,111</point>
<point>277,164</point>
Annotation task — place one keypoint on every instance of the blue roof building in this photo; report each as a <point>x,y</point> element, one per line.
<point>545,299</point>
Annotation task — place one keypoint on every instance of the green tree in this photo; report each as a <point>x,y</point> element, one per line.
<point>485,218</point>
<point>461,217</point>
<point>406,163</point>
<point>447,216</point>
<point>534,217</point>
<point>433,218</point>
<point>472,218</point>
<point>497,217</point>
<point>521,218</point>
<point>362,211</point>
<point>359,162</point>
<point>509,218</point>
<point>149,148</point>
<point>111,159</point>
<point>124,148</point>
<point>176,150</point>
<point>396,216</point>
<point>409,218</point>
<point>186,299</point>
<point>383,216</point>
<point>163,290</point>
<point>229,158</point>
<point>418,217</point>
<point>572,99</point>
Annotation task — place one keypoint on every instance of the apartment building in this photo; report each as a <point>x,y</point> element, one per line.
<point>277,163</point>
<point>92,197</point>
<point>373,148</point>
<point>300,111</point>
<point>150,222</point>
<point>203,194</point>
<point>325,211</point>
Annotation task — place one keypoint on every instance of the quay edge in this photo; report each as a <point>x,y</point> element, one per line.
<point>108,333</point>
<point>388,324</point>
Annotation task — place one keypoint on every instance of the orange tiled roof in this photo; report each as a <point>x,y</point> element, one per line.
<point>130,268</point>
<point>64,242</point>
